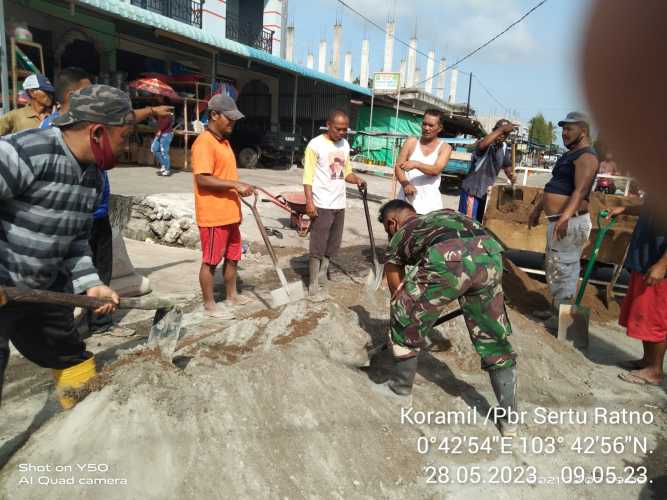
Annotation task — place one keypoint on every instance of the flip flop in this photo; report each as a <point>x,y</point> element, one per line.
<point>632,364</point>
<point>634,379</point>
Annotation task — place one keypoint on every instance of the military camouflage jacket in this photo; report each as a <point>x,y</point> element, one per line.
<point>454,234</point>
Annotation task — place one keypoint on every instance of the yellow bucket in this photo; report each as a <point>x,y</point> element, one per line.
<point>73,378</point>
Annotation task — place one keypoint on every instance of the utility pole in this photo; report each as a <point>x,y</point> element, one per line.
<point>469,90</point>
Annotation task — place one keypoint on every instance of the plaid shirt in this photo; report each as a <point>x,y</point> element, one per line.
<point>46,204</point>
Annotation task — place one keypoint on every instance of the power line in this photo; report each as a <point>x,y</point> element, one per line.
<point>486,44</point>
<point>490,94</point>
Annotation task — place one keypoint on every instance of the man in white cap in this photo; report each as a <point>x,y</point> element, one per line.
<point>41,92</point>
<point>217,204</point>
<point>565,203</point>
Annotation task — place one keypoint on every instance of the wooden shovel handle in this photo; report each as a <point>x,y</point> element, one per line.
<point>69,299</point>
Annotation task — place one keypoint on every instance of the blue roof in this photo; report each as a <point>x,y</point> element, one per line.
<point>136,14</point>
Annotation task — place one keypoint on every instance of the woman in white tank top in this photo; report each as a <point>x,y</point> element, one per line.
<point>428,196</point>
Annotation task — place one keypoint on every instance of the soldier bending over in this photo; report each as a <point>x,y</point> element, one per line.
<point>450,256</point>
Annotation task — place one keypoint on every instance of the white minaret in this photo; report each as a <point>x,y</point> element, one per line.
<point>289,44</point>
<point>452,86</point>
<point>322,57</point>
<point>363,68</point>
<point>418,77</point>
<point>310,60</point>
<point>430,69</point>
<point>412,63</point>
<point>389,46</point>
<point>440,89</point>
<point>403,73</point>
<point>348,67</point>
<point>337,39</point>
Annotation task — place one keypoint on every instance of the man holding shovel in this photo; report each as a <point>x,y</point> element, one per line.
<point>432,260</point>
<point>49,186</point>
<point>565,203</point>
<point>327,168</point>
<point>217,204</point>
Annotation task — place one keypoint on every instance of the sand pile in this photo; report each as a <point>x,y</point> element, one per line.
<point>528,295</point>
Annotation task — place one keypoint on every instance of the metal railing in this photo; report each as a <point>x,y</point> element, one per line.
<point>185,11</point>
<point>249,34</point>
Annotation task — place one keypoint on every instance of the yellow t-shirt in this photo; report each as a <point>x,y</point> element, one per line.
<point>215,157</point>
<point>326,164</point>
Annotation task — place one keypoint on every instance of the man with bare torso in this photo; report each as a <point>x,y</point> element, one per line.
<point>565,203</point>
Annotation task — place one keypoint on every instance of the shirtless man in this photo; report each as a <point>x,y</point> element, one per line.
<point>565,203</point>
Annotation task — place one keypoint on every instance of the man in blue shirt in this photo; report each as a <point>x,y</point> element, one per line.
<point>644,310</point>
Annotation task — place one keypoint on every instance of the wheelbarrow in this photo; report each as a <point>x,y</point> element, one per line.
<point>295,204</point>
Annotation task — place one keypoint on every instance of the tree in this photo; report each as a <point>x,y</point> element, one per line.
<point>540,131</point>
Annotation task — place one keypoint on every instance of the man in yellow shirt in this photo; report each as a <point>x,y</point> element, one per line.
<point>217,204</point>
<point>41,92</point>
<point>327,168</point>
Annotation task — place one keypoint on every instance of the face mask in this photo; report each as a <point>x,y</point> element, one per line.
<point>104,156</point>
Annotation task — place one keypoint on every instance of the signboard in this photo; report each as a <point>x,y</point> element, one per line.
<point>386,83</point>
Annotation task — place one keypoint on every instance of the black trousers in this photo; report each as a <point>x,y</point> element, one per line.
<point>44,334</point>
<point>101,245</point>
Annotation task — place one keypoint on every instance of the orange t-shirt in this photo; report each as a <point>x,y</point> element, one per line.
<point>215,157</point>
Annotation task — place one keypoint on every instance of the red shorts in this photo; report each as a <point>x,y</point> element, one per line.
<point>221,241</point>
<point>644,310</point>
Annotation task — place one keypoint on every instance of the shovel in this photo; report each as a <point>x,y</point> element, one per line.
<point>166,322</point>
<point>288,292</point>
<point>509,194</point>
<point>377,271</point>
<point>573,319</point>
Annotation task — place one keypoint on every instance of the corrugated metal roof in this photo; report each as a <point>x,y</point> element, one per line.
<point>125,10</point>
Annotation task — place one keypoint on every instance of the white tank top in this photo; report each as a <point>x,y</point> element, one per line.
<point>428,196</point>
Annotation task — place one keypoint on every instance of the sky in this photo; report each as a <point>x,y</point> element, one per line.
<point>532,68</point>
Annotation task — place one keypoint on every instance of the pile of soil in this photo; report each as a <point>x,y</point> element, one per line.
<point>527,295</point>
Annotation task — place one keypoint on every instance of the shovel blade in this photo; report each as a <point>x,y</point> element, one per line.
<point>374,279</point>
<point>284,295</point>
<point>166,330</point>
<point>573,325</point>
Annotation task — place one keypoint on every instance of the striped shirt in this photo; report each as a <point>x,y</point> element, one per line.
<point>46,203</point>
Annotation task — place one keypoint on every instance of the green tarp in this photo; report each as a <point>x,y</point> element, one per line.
<point>382,149</point>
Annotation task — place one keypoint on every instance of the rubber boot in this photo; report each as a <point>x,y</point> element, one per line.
<point>324,272</point>
<point>503,381</point>
<point>313,275</point>
<point>551,323</point>
<point>404,377</point>
<point>73,378</point>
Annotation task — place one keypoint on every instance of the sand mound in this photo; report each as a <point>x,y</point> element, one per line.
<point>528,295</point>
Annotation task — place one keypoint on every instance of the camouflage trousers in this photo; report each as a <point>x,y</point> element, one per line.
<point>476,283</point>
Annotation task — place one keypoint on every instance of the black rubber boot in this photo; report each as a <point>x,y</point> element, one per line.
<point>313,275</point>
<point>504,384</point>
<point>404,377</point>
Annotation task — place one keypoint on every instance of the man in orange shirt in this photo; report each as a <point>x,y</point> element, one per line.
<point>217,204</point>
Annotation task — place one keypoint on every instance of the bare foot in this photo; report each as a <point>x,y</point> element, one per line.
<point>645,376</point>
<point>219,311</point>
<point>238,300</point>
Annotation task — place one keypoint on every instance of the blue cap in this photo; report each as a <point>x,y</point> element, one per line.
<point>37,81</point>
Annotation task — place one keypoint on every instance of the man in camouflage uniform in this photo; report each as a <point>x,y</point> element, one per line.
<point>432,260</point>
